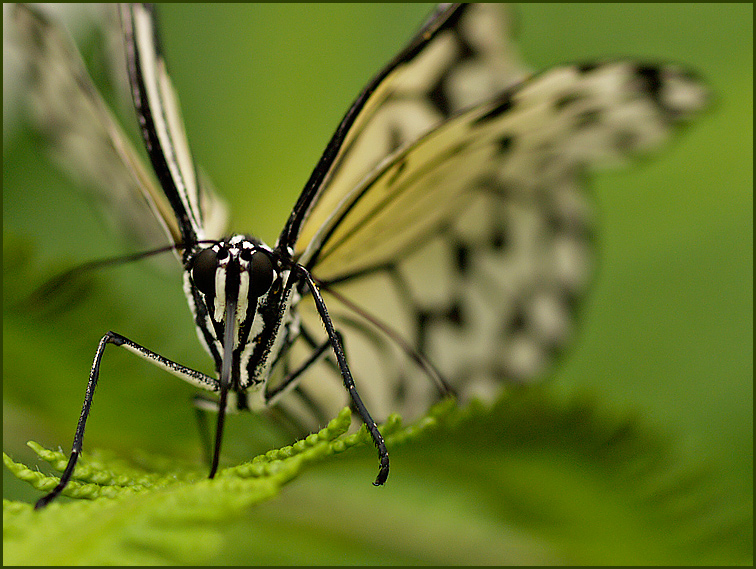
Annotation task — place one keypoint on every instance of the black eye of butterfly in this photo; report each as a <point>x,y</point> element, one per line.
<point>260,274</point>
<point>204,265</point>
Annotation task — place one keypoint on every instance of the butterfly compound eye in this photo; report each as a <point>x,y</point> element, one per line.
<point>260,274</point>
<point>204,265</point>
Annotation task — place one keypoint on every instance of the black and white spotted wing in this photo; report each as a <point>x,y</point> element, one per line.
<point>469,237</point>
<point>446,223</point>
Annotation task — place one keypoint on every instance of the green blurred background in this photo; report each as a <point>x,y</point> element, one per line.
<point>667,331</point>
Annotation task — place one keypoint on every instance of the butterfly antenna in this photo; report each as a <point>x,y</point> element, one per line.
<point>57,282</point>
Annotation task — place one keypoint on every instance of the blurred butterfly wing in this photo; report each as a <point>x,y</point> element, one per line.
<point>473,245</point>
<point>163,130</point>
<point>90,145</point>
<point>84,136</point>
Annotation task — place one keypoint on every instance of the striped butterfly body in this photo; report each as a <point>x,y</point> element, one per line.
<point>445,225</point>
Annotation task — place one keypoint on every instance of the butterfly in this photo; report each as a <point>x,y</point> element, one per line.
<point>439,248</point>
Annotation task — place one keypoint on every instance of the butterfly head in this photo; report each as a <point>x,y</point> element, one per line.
<point>239,271</point>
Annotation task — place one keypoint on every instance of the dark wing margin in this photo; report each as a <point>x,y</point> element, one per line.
<point>463,62</point>
<point>445,15</point>
<point>160,119</point>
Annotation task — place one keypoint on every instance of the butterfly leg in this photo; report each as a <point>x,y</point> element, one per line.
<point>346,375</point>
<point>189,374</point>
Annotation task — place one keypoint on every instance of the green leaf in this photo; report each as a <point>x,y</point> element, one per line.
<point>530,480</point>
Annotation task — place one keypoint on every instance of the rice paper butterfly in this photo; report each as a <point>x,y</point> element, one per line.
<point>439,247</point>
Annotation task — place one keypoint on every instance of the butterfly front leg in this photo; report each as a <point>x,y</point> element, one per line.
<point>346,375</point>
<point>190,375</point>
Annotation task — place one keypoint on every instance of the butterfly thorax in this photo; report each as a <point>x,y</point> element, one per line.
<point>244,271</point>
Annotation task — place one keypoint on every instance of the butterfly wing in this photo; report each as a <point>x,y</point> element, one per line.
<point>458,58</point>
<point>471,246</point>
<point>88,141</point>
<point>198,210</point>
